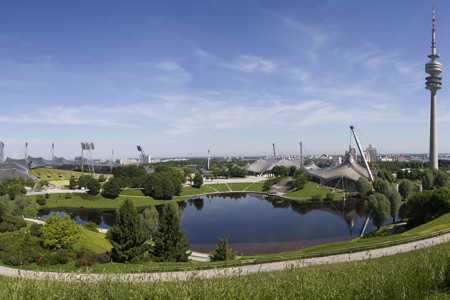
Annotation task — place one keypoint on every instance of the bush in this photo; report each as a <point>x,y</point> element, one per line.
<point>91,226</point>
<point>104,258</point>
<point>36,230</point>
<point>111,189</point>
<point>41,200</point>
<point>85,258</point>
<point>60,233</point>
<point>223,252</point>
<point>330,197</point>
<point>19,248</point>
<point>197,181</point>
<point>423,207</point>
<point>316,198</point>
<point>270,182</point>
<point>300,179</point>
<point>11,223</point>
<point>441,179</point>
<point>59,257</point>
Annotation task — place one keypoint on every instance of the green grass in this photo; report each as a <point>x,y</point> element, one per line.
<point>415,275</point>
<point>94,241</point>
<point>132,192</point>
<point>310,190</point>
<point>59,183</point>
<point>54,174</point>
<point>192,191</point>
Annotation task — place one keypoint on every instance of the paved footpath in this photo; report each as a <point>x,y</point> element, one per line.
<point>224,272</point>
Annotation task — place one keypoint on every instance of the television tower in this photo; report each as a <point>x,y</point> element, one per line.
<point>2,152</point>
<point>433,83</point>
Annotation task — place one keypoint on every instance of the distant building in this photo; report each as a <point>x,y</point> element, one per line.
<point>371,154</point>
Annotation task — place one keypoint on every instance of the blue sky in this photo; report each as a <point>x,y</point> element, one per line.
<point>180,77</point>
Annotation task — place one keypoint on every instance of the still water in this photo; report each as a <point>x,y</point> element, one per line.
<point>253,223</point>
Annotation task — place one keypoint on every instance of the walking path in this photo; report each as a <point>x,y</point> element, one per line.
<point>224,272</point>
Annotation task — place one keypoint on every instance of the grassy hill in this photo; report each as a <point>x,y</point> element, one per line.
<point>395,277</point>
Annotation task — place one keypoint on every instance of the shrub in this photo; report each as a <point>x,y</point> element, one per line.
<point>316,198</point>
<point>223,252</point>
<point>330,197</point>
<point>36,230</point>
<point>427,180</point>
<point>19,248</point>
<point>300,179</point>
<point>59,257</point>
<point>60,233</point>
<point>11,223</point>
<point>111,189</point>
<point>91,226</point>
<point>85,258</point>
<point>441,179</point>
<point>104,258</point>
<point>197,181</point>
<point>41,200</point>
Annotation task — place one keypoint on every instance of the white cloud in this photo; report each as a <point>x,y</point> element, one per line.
<point>251,64</point>
<point>173,73</point>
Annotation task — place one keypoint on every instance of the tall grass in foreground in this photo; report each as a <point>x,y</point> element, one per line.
<point>415,275</point>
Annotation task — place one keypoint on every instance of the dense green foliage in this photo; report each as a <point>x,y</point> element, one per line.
<point>300,179</point>
<point>427,180</point>
<point>379,208</point>
<point>406,188</point>
<point>423,207</point>
<point>170,242</point>
<point>395,200</point>
<point>441,179</point>
<point>270,182</point>
<point>280,171</point>
<point>111,189</point>
<point>197,181</point>
<point>381,186</point>
<point>13,188</point>
<point>128,236</point>
<point>363,186</point>
<point>150,220</point>
<point>90,183</point>
<point>60,233</point>
<point>223,252</point>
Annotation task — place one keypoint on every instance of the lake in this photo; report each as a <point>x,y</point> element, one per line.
<point>253,223</point>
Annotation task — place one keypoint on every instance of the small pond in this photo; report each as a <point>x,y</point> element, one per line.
<point>253,223</point>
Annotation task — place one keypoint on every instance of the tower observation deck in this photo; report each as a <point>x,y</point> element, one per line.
<point>433,83</point>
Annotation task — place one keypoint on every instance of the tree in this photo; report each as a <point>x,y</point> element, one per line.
<point>111,189</point>
<point>198,180</point>
<point>150,220</point>
<point>379,207</point>
<point>406,188</point>
<point>362,186</point>
<point>73,183</point>
<point>427,180</point>
<point>128,236</point>
<point>280,171</point>
<point>222,252</point>
<point>381,186</point>
<point>60,233</point>
<point>93,186</point>
<point>395,200</point>
<point>441,179</point>
<point>170,242</point>
<point>300,179</point>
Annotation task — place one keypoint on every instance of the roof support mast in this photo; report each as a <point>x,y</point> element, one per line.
<point>366,164</point>
<point>361,152</point>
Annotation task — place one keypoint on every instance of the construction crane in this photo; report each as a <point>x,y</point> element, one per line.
<point>143,158</point>
<point>369,172</point>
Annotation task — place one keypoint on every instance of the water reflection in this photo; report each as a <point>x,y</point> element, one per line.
<point>255,223</point>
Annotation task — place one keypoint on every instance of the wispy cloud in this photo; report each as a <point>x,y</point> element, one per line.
<point>251,64</point>
<point>173,73</point>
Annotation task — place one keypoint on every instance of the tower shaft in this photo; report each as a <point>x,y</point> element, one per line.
<point>433,137</point>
